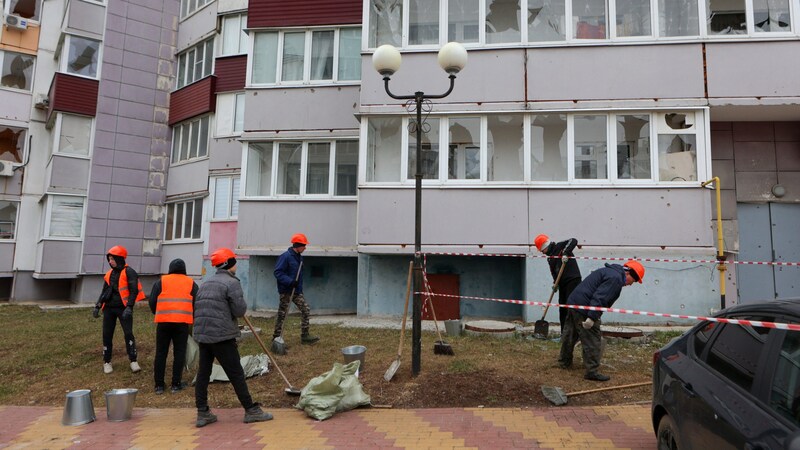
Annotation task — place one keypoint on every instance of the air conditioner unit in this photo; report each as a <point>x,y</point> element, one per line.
<point>42,101</point>
<point>17,22</point>
<point>6,169</point>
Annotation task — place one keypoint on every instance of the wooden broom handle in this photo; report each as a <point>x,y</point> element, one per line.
<point>553,291</point>
<point>611,388</point>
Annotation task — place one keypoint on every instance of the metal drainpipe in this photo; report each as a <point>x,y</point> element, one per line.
<point>721,266</point>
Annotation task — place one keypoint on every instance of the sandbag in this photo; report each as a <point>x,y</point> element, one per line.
<point>192,352</point>
<point>251,364</point>
<point>334,391</point>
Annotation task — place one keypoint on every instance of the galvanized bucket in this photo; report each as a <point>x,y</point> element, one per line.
<point>79,409</point>
<point>119,404</point>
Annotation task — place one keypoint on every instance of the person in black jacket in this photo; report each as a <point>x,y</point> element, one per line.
<point>559,253</point>
<point>600,289</point>
<point>172,302</point>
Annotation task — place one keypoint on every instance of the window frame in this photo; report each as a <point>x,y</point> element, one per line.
<point>63,56</point>
<point>13,237</point>
<point>274,168</point>
<point>3,54</point>
<point>7,11</point>
<point>229,216</point>
<point>47,231</point>
<point>700,130</point>
<point>226,114</point>
<point>172,206</point>
<point>56,133</point>
<point>186,12</point>
<point>611,32</point>
<point>243,45</point>
<point>177,139</point>
<point>307,54</point>
<point>183,68</point>
<point>25,144</point>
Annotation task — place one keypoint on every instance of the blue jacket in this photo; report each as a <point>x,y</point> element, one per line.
<point>601,288</point>
<point>286,270</point>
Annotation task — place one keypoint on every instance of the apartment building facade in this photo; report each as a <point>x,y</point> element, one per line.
<point>591,119</point>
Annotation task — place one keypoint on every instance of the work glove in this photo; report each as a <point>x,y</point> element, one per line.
<point>127,314</point>
<point>555,287</point>
<point>588,323</point>
<point>294,284</point>
<point>96,311</point>
<point>564,259</point>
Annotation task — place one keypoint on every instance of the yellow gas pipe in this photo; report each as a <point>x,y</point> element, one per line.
<point>721,266</point>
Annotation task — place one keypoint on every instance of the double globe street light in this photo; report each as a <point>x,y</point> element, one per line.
<point>386,60</point>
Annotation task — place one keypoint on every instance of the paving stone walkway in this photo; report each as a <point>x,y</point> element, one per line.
<point>616,427</point>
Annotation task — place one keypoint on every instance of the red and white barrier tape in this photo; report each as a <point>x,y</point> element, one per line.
<point>603,258</point>
<point>752,323</point>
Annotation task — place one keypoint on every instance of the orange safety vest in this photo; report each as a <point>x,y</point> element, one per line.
<point>174,304</point>
<point>123,286</point>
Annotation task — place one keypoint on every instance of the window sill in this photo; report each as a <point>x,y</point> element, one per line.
<point>182,241</point>
<point>299,199</point>
<point>304,85</point>
<point>188,161</point>
<point>95,78</point>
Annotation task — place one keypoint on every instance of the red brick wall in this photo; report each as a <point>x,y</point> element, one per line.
<point>283,13</point>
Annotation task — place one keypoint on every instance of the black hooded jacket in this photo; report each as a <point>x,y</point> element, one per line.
<point>175,266</point>
<point>110,295</point>
<point>564,248</point>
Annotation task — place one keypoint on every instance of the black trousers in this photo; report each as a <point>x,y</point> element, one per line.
<point>110,317</point>
<point>565,288</point>
<point>227,353</point>
<point>177,334</point>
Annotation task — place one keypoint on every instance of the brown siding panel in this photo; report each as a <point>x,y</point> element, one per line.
<point>283,13</point>
<point>193,100</point>
<point>231,73</point>
<point>72,94</point>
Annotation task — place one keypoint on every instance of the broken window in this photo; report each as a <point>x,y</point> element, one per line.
<point>464,151</point>
<point>549,147</point>
<point>12,143</point>
<point>771,16</point>
<point>82,57</point>
<point>591,148</point>
<point>546,20</point>
<point>429,151</point>
<point>678,18</point>
<point>633,147</point>
<point>505,148</point>
<point>633,18</point>
<point>17,70</point>
<point>385,22</point>
<point>8,219</point>
<point>384,139</point>
<point>677,147</point>
<point>75,133</point>
<point>28,9</point>
<point>726,17</point>
<point>502,21</point>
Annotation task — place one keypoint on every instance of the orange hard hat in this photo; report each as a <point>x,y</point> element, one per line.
<point>637,268</point>
<point>299,238</point>
<point>118,250</point>
<point>541,242</point>
<point>221,256</point>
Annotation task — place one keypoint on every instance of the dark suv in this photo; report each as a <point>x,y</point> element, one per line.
<point>722,385</point>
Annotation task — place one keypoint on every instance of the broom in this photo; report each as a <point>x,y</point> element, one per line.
<point>440,347</point>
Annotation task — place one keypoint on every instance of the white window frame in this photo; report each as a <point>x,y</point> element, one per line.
<point>181,81</point>
<point>243,41</point>
<point>55,145</point>
<point>186,127</point>
<point>172,206</point>
<point>3,55</point>
<point>227,114</point>
<point>303,170</point>
<point>46,234</point>
<point>611,29</point>
<point>308,38</point>
<point>26,140</point>
<point>231,198</point>
<point>189,7</point>
<point>7,11</point>
<point>13,237</point>
<point>701,131</point>
<point>63,57</point>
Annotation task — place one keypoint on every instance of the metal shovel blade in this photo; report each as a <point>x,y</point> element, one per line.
<point>541,329</point>
<point>392,369</point>
<point>556,395</point>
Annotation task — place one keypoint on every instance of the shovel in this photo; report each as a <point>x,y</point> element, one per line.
<point>291,390</point>
<point>558,397</point>
<point>278,345</point>
<point>440,347</point>
<point>542,327</point>
<point>396,364</point>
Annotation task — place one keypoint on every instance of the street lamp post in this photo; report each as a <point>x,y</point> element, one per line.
<point>386,60</point>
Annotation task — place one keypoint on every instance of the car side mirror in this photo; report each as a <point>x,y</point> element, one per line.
<point>792,441</point>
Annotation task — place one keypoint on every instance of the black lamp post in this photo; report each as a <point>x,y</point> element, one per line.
<point>386,60</point>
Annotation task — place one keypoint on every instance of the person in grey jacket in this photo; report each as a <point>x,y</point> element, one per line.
<point>219,302</point>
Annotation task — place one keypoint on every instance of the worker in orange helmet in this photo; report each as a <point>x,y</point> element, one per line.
<point>121,290</point>
<point>289,276</point>
<point>558,254</point>
<point>601,288</point>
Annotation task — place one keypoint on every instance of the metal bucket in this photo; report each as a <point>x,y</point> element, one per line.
<point>119,404</point>
<point>453,327</point>
<point>79,409</point>
<point>354,353</point>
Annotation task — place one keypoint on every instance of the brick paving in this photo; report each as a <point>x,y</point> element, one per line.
<point>560,428</point>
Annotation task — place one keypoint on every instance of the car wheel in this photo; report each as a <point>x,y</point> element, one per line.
<point>667,434</point>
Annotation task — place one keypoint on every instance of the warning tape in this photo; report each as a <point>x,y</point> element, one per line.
<point>608,258</point>
<point>752,323</point>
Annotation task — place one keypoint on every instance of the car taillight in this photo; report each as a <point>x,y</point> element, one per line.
<point>656,357</point>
